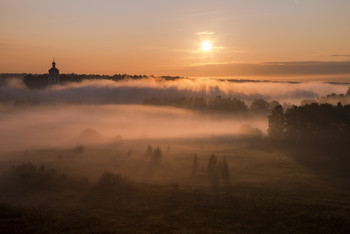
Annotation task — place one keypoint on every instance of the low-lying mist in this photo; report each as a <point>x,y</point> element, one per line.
<point>62,125</point>
<point>135,91</point>
<point>57,115</point>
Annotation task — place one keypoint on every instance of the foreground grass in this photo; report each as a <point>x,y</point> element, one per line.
<point>244,208</point>
<point>269,193</point>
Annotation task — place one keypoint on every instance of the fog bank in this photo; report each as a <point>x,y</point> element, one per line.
<point>45,126</point>
<point>135,91</point>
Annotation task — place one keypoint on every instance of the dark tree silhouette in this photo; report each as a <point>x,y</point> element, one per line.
<point>225,172</point>
<point>312,123</point>
<point>156,157</point>
<point>273,104</point>
<point>206,104</point>
<point>348,92</point>
<point>36,81</point>
<point>111,189</point>
<point>79,149</point>
<point>169,149</point>
<point>148,152</point>
<point>113,181</point>
<point>195,165</point>
<point>213,171</point>
<point>259,106</point>
<point>276,122</point>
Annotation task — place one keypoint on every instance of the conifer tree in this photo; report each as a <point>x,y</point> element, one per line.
<point>156,156</point>
<point>213,171</point>
<point>149,151</point>
<point>195,165</point>
<point>225,172</point>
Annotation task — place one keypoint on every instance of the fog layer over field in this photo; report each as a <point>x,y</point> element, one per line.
<point>45,126</point>
<point>62,112</point>
<point>135,91</point>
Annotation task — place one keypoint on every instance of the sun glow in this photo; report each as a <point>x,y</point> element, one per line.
<point>206,46</point>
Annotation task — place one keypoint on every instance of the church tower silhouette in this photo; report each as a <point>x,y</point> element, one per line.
<point>54,74</point>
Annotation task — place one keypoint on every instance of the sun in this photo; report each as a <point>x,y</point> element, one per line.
<point>206,46</point>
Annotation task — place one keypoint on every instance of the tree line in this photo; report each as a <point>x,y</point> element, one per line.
<point>39,81</point>
<point>218,103</point>
<point>316,136</point>
<point>310,122</point>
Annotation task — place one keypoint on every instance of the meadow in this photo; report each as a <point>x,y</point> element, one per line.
<point>116,188</point>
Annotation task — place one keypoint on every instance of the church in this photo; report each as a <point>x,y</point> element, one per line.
<point>54,74</point>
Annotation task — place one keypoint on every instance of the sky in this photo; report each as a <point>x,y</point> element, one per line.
<point>249,38</point>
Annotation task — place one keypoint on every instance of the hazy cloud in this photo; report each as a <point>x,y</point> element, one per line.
<point>341,55</point>
<point>136,91</point>
<point>269,68</point>
<point>5,46</point>
<point>205,33</point>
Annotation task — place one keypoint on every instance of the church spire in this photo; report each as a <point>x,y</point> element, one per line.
<point>54,74</point>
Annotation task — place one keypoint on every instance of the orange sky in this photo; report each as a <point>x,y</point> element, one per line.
<point>249,38</point>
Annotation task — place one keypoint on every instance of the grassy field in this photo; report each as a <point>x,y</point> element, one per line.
<point>269,192</point>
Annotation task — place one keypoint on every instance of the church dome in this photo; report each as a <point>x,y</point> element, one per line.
<point>53,69</point>
<point>54,74</point>
<point>53,66</point>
